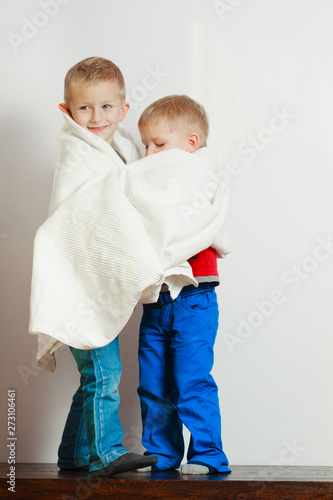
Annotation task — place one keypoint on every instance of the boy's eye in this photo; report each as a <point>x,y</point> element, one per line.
<point>106,106</point>
<point>84,108</point>
<point>160,145</point>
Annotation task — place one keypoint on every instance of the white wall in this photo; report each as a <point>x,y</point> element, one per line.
<point>247,62</point>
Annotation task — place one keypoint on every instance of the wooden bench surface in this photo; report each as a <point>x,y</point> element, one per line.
<point>46,482</point>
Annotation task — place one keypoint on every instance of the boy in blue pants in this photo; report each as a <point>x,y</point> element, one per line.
<point>177,336</point>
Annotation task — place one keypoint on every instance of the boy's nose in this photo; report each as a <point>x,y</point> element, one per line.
<point>96,115</point>
<point>150,151</point>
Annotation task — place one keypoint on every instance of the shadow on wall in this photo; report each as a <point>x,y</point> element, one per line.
<point>129,400</point>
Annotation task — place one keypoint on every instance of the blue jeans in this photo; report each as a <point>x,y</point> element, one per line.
<point>176,356</point>
<point>93,433</point>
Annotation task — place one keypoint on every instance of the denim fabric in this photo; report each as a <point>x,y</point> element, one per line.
<point>176,356</point>
<point>93,433</point>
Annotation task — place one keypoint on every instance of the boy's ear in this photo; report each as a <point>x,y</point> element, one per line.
<point>124,111</point>
<point>192,142</point>
<point>65,109</point>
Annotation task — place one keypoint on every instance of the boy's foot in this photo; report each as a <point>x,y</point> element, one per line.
<point>125,463</point>
<point>153,469</point>
<point>144,469</point>
<point>197,469</point>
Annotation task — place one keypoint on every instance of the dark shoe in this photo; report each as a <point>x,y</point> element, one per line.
<point>125,463</point>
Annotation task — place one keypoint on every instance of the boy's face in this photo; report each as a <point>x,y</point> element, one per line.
<point>97,108</point>
<point>160,137</point>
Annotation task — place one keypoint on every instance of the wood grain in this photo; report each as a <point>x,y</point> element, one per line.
<point>47,482</point>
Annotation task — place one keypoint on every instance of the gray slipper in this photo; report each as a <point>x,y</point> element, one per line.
<point>125,463</point>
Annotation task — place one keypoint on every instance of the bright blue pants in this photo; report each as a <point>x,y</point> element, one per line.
<point>93,433</point>
<point>176,356</point>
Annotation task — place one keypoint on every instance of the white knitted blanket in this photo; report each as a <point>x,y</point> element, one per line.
<point>115,233</point>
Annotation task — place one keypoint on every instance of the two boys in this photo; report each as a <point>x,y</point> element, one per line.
<point>176,355</point>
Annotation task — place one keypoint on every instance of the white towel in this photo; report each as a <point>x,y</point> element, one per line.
<point>115,233</point>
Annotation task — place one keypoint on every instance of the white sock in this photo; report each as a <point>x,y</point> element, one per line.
<point>144,469</point>
<point>194,469</point>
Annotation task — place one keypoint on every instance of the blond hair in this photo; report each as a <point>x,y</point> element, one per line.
<point>179,111</point>
<point>91,71</point>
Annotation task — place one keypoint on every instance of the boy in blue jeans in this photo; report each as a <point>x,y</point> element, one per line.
<point>177,336</point>
<point>92,438</point>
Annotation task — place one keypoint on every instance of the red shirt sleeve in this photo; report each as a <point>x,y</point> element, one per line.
<point>204,263</point>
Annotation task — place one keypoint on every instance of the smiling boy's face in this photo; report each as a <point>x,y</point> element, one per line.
<point>98,108</point>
